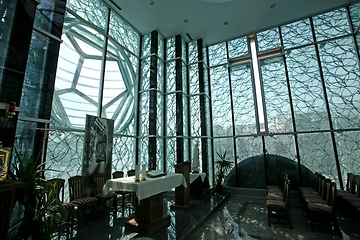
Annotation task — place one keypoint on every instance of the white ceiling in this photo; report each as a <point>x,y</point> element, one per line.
<point>206,20</point>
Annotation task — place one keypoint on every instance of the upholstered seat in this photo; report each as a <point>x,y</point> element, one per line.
<point>126,196</point>
<point>279,187</point>
<point>275,193</point>
<point>280,208</point>
<point>66,210</point>
<point>349,189</point>
<point>315,189</point>
<point>318,212</point>
<point>324,199</point>
<point>98,180</point>
<point>78,197</point>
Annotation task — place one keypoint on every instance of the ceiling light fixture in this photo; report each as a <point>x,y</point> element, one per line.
<point>226,23</point>
<point>151,2</point>
<point>273,5</point>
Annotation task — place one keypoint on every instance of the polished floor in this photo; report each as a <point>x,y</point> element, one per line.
<point>232,216</point>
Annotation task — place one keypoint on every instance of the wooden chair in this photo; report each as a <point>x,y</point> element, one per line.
<point>349,188</point>
<point>98,181</point>
<point>126,196</point>
<point>57,186</point>
<point>279,187</point>
<point>280,208</point>
<point>78,197</point>
<point>131,172</point>
<point>323,197</point>
<point>315,189</point>
<point>319,192</point>
<point>325,213</point>
<point>277,193</point>
<point>353,203</point>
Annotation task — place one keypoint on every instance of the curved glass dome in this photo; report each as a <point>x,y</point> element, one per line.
<point>78,87</point>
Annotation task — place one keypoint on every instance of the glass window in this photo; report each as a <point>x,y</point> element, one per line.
<point>276,95</point>
<point>331,24</point>
<point>123,34</point>
<point>243,100</point>
<point>296,34</point>
<point>221,107</point>
<point>93,12</point>
<point>238,47</point>
<point>267,40</point>
<point>306,90</point>
<point>217,54</point>
<point>340,67</point>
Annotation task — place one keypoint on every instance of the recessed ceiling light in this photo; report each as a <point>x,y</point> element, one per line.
<point>186,20</point>
<point>272,5</point>
<point>226,23</point>
<point>151,2</point>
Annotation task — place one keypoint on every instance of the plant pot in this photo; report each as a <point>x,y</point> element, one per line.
<point>219,189</point>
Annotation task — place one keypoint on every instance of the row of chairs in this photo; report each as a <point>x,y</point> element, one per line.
<point>320,202</point>
<point>349,199</point>
<point>79,201</point>
<point>277,200</point>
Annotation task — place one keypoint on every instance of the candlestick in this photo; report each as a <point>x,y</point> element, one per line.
<point>137,173</point>
<point>143,173</point>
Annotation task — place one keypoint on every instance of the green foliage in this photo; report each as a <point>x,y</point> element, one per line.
<point>223,166</point>
<point>42,210</point>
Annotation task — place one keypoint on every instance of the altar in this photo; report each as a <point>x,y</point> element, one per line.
<point>149,214</point>
<point>197,184</point>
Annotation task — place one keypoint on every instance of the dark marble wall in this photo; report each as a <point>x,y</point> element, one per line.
<point>15,66</point>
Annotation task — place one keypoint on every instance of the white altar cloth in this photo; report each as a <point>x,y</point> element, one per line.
<point>145,189</point>
<point>194,176</point>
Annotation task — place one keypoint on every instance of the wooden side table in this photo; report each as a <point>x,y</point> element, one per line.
<point>9,193</point>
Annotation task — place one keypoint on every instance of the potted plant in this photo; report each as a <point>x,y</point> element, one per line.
<point>41,209</point>
<point>223,166</point>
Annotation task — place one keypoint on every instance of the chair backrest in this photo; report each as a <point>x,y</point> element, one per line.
<point>349,178</point>
<point>76,187</point>
<point>318,182</point>
<point>328,189</point>
<point>357,185</point>
<point>287,193</point>
<point>333,197</point>
<point>284,178</point>
<point>131,173</point>
<point>322,187</point>
<point>57,184</point>
<point>118,174</point>
<point>98,181</point>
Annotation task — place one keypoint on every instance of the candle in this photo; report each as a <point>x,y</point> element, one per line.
<point>143,171</point>
<point>137,171</point>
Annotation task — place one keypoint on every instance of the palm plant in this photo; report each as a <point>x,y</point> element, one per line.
<point>38,201</point>
<point>223,166</point>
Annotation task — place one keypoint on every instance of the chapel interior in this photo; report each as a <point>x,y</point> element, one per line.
<point>254,105</point>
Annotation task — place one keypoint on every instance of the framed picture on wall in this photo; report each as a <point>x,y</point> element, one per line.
<point>4,162</point>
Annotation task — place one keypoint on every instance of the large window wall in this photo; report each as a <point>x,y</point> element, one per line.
<point>166,95</point>
<point>310,95</point>
<point>97,75</point>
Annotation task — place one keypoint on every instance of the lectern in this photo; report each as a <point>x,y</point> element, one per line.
<point>9,192</point>
<point>182,194</point>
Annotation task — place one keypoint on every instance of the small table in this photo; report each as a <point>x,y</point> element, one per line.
<point>197,184</point>
<point>149,214</point>
<point>194,176</point>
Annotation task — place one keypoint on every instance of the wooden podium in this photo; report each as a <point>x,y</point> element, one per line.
<point>182,194</point>
<point>148,215</point>
<point>9,192</point>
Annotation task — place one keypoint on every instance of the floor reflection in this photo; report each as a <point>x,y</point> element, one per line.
<point>213,217</point>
